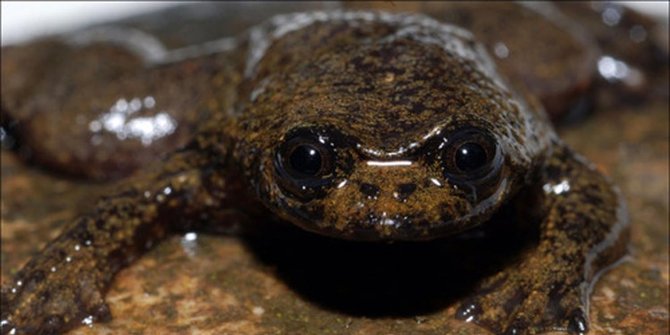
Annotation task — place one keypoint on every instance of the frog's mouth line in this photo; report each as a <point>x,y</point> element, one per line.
<point>374,226</point>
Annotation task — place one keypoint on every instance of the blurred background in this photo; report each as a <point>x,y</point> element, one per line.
<point>22,20</point>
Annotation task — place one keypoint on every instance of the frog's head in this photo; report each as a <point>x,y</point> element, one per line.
<point>380,126</point>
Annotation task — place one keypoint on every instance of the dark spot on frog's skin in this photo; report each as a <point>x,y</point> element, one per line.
<point>35,279</point>
<point>417,107</point>
<point>82,235</point>
<point>345,83</point>
<point>360,64</point>
<point>514,301</point>
<point>99,223</point>
<point>314,212</point>
<point>553,305</point>
<point>119,257</point>
<point>369,190</point>
<point>405,191</point>
<point>408,92</point>
<point>553,172</point>
<point>592,199</point>
<point>44,297</point>
<point>365,89</point>
<point>126,193</point>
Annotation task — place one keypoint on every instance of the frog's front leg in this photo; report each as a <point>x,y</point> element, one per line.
<point>584,229</point>
<point>64,284</point>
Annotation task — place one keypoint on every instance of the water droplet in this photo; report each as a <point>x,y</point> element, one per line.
<point>118,120</point>
<point>95,126</point>
<point>501,50</point>
<point>611,16</point>
<point>468,312</point>
<point>88,321</point>
<point>135,105</point>
<point>612,69</point>
<point>149,102</point>
<point>637,33</point>
<point>560,188</point>
<point>512,331</point>
<point>189,244</point>
<point>96,140</point>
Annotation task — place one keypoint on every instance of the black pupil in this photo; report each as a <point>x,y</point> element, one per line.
<point>470,157</point>
<point>306,159</point>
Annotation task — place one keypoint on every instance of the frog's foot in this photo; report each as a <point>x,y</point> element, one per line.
<point>52,300</point>
<point>530,299</point>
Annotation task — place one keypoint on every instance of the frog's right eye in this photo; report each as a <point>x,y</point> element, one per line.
<point>472,156</point>
<point>305,164</point>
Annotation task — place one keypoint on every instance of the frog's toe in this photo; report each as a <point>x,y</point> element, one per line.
<point>53,305</point>
<point>514,304</point>
<point>577,322</point>
<point>535,316</point>
<point>493,303</point>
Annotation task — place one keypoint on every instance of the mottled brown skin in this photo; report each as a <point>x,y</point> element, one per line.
<point>389,97</point>
<point>558,73</point>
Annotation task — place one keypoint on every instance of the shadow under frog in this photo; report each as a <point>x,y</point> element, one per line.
<point>357,125</point>
<point>401,279</point>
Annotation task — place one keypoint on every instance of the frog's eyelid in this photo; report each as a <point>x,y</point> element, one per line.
<point>431,148</point>
<point>323,133</point>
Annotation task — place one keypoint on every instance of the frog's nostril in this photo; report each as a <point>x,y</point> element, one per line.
<point>369,190</point>
<point>404,191</point>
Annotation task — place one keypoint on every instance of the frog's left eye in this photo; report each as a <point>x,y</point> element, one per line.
<point>305,159</point>
<point>471,155</point>
<point>305,163</point>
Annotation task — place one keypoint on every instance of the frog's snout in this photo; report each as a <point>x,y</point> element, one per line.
<point>399,202</point>
<point>404,191</point>
<point>401,191</point>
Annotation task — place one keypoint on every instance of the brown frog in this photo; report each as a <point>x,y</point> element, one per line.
<point>360,125</point>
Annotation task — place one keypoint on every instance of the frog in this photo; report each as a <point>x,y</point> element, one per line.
<point>363,125</point>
